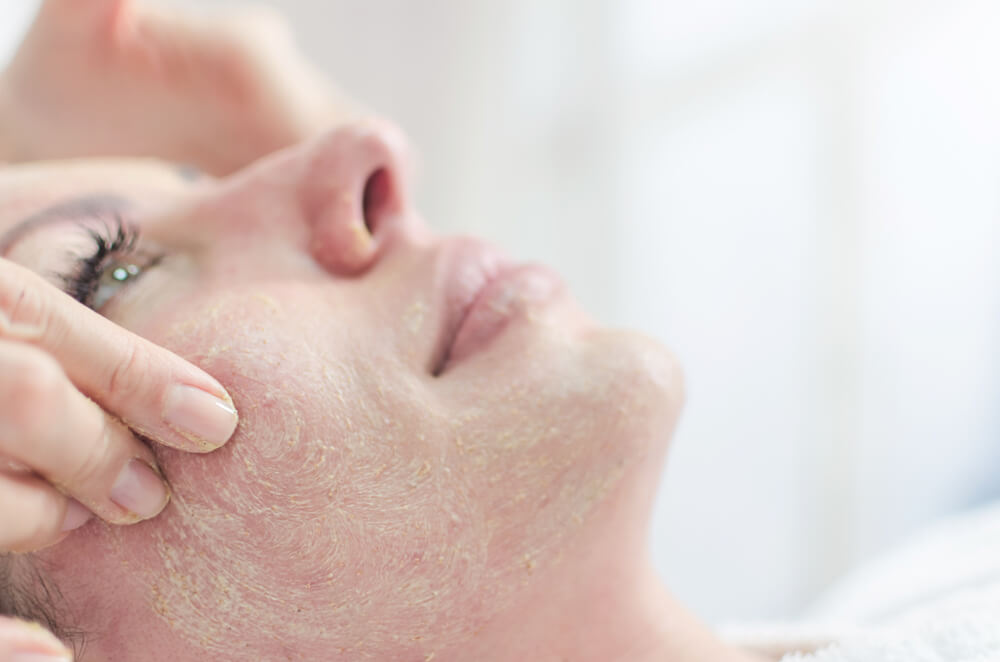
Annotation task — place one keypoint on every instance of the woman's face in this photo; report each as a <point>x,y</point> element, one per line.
<point>431,437</point>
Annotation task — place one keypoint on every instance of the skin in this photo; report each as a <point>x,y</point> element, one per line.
<point>116,77</point>
<point>365,508</point>
<point>51,346</point>
<point>124,78</point>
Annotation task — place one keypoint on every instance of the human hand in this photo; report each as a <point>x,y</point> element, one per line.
<point>68,378</point>
<point>28,642</point>
<point>123,78</point>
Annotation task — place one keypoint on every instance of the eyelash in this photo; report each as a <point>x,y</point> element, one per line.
<point>113,240</point>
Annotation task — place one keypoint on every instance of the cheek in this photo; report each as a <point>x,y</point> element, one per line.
<point>356,510</point>
<point>335,501</point>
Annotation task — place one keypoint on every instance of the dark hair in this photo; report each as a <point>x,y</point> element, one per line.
<point>27,594</point>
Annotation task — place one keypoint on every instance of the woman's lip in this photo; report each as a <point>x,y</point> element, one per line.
<point>473,266</point>
<point>506,296</point>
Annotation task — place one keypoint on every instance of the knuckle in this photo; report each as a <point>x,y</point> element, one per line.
<point>20,303</point>
<point>94,454</point>
<point>130,371</point>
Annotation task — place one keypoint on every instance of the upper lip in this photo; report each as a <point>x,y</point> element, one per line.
<point>468,267</point>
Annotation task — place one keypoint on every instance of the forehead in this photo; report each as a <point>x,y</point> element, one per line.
<point>28,189</point>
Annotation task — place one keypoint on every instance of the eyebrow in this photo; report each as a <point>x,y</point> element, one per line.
<point>85,207</point>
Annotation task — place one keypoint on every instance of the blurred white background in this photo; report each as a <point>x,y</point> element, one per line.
<point>800,197</point>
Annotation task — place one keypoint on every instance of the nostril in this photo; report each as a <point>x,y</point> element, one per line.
<point>376,199</point>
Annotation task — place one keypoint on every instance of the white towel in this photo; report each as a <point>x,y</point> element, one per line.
<point>937,599</point>
<point>964,627</point>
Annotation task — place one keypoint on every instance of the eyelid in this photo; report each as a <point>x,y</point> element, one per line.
<point>113,241</point>
<point>91,206</point>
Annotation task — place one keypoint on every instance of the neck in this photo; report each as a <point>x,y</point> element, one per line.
<point>614,619</point>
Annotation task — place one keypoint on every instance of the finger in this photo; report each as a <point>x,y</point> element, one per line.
<point>154,391</point>
<point>35,515</point>
<point>20,640</point>
<point>94,22</point>
<point>86,14</point>
<point>49,426</point>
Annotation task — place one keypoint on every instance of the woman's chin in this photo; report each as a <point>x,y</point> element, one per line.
<point>649,376</point>
<point>558,363</point>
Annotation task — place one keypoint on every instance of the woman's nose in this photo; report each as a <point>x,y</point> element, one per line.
<point>353,195</point>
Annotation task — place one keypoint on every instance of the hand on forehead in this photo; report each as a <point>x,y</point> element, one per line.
<point>219,90</point>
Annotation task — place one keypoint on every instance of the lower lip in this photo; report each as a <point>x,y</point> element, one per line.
<point>512,294</point>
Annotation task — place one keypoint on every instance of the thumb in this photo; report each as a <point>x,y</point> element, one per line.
<point>30,642</point>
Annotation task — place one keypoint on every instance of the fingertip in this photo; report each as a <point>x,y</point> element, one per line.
<point>23,640</point>
<point>76,516</point>
<point>140,491</point>
<point>205,419</point>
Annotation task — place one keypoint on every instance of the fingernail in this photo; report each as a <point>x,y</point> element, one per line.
<point>140,490</point>
<point>39,657</point>
<point>200,416</point>
<point>76,516</point>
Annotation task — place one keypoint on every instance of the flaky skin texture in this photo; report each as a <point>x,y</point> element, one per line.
<point>371,505</point>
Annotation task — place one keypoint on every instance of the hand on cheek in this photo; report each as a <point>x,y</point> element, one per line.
<point>64,455</point>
